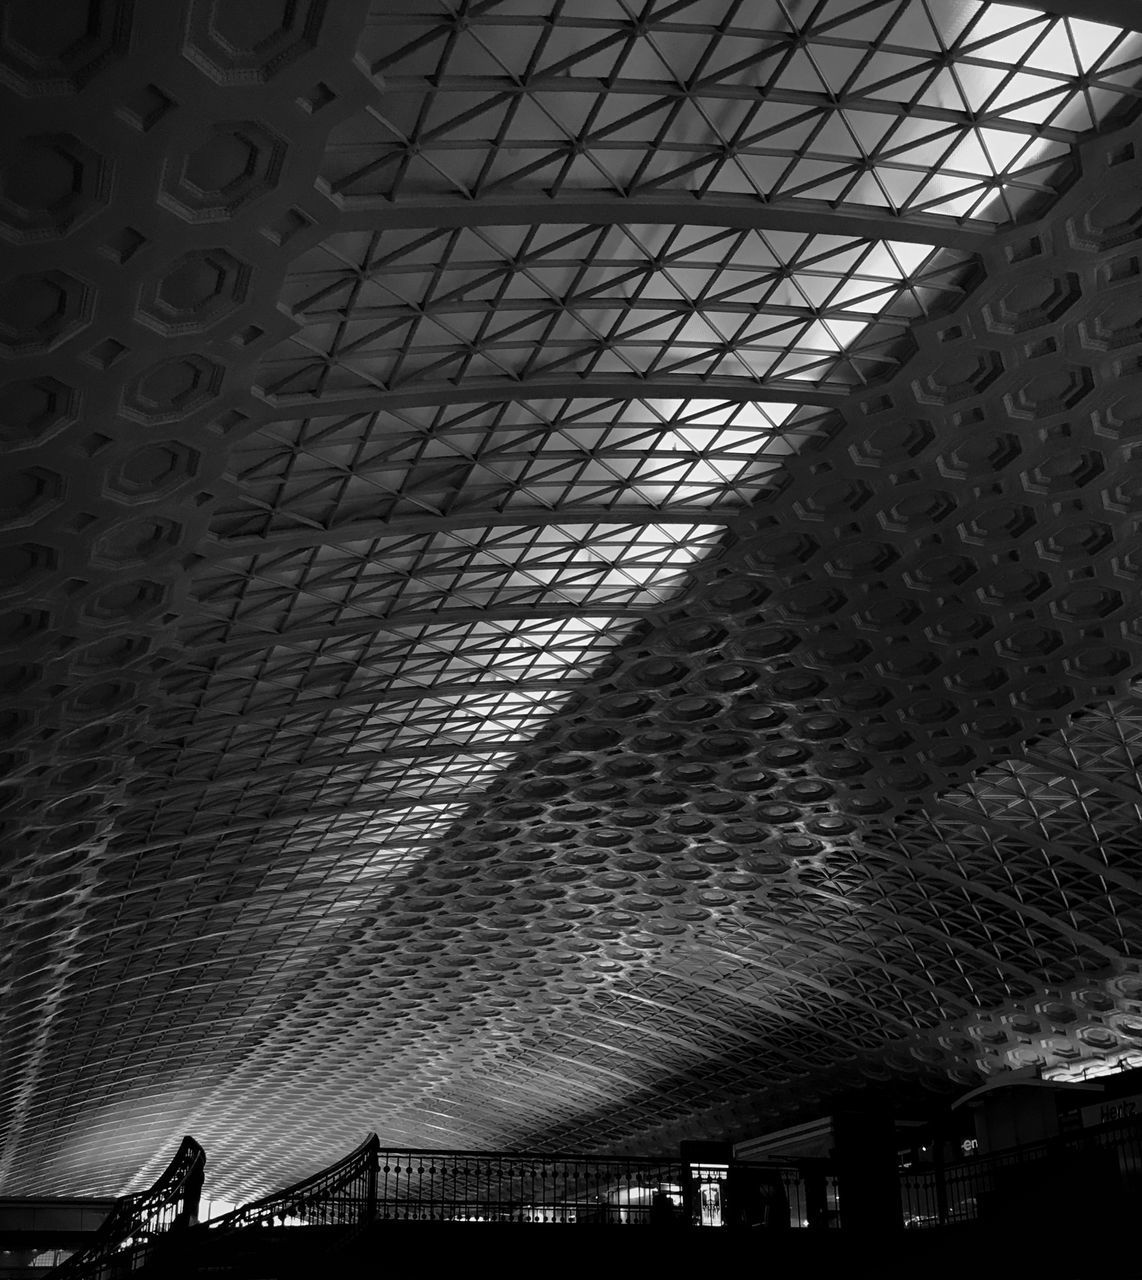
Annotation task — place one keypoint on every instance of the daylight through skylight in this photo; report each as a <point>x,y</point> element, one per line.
<point>454,524</point>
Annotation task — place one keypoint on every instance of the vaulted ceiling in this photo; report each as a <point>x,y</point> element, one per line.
<point>570,569</point>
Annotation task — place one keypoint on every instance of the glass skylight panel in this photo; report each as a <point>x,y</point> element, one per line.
<point>526,454</point>
<point>626,300</point>
<point>521,649</point>
<point>444,126</point>
<point>415,776</point>
<point>616,563</point>
<point>639,560</point>
<point>463,719</point>
<point>613,562</point>
<point>413,825</point>
<point>927,109</point>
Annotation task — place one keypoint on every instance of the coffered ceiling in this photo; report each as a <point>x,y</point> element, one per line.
<point>570,569</point>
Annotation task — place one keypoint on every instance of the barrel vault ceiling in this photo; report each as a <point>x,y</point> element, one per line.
<point>570,569</point>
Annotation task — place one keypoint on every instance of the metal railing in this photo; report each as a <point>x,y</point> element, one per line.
<point>962,1192</point>
<point>344,1194</point>
<point>522,1187</point>
<point>561,1190</point>
<point>376,1184</point>
<point>125,1240</point>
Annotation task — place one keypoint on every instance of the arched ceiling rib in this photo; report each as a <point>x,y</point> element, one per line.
<point>545,530</point>
<point>741,212</point>
<point>506,390</point>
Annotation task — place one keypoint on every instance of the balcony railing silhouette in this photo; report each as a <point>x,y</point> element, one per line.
<point>376,1185</point>
<point>521,1187</point>
<point>1096,1164</point>
<point>137,1222</point>
<point>344,1194</point>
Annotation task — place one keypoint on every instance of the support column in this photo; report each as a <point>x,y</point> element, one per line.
<point>868,1179</point>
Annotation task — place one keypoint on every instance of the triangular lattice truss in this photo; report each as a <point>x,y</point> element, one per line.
<point>551,552</point>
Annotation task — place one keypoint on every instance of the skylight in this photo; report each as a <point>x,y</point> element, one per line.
<point>950,107</point>
<point>446,568</point>
<point>504,304</point>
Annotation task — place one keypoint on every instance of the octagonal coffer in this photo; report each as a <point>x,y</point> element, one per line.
<point>1113,218</point>
<point>134,601</point>
<point>33,410</point>
<point>1113,320</point>
<point>48,184</point>
<point>978,454</point>
<point>233,165</point>
<point>27,494</point>
<point>1034,299</point>
<point>251,41</point>
<point>1051,390</point>
<point>20,628</point>
<point>50,49</point>
<point>960,376</point>
<point>173,389</point>
<point>997,523</point>
<point>153,471</point>
<point>40,310</point>
<point>138,541</point>
<point>24,566</point>
<point>893,443</point>
<point>195,291</point>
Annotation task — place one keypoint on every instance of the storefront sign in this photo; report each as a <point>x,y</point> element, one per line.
<point>1113,1111</point>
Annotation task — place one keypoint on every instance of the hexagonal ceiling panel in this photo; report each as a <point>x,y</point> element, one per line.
<point>570,570</point>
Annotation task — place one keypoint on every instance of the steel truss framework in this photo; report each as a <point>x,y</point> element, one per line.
<point>569,569</point>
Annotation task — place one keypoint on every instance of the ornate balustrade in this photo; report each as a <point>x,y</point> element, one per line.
<point>124,1241</point>
<point>523,1187</point>
<point>380,1184</point>
<point>344,1194</point>
<point>1103,1162</point>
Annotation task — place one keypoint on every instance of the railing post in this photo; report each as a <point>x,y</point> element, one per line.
<point>373,1167</point>
<point>192,1195</point>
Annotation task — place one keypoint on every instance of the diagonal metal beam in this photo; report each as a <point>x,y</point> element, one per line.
<point>1097,781</point>
<point>911,926</point>
<point>819,945</point>
<point>739,213</point>
<point>1056,849</point>
<point>523,311</point>
<point>219,546</point>
<point>680,386</point>
<point>790,979</point>
<point>974,891</point>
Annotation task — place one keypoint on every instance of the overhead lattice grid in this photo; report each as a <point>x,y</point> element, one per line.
<point>328,473</point>
<point>407,731</point>
<point>391,309</point>
<point>913,106</point>
<point>583,563</point>
<point>416,686</point>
